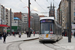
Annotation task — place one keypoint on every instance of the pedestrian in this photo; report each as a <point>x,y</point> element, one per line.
<point>9,33</point>
<point>34,33</point>
<point>4,36</point>
<point>19,34</point>
<point>0,35</point>
<point>62,33</point>
<point>30,33</point>
<point>13,33</point>
<point>27,33</point>
<point>74,34</point>
<point>65,33</point>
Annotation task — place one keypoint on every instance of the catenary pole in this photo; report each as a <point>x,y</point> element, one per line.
<point>69,34</point>
<point>29,18</point>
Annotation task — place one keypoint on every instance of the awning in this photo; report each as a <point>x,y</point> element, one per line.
<point>2,25</point>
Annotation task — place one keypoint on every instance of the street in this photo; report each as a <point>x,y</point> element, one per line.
<point>24,24</point>
<point>35,45</point>
<point>25,43</point>
<point>11,40</point>
<point>14,46</point>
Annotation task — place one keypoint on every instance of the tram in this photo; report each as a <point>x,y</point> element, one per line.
<point>50,30</point>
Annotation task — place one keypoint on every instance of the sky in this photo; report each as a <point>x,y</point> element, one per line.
<point>21,5</point>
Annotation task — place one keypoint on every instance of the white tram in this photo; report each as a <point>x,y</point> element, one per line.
<point>49,29</point>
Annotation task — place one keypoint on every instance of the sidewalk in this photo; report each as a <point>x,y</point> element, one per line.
<point>11,39</point>
<point>64,43</point>
<point>16,38</point>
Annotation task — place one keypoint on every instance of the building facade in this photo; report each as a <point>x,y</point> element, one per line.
<point>58,16</point>
<point>8,17</point>
<point>35,22</point>
<point>16,25</point>
<point>18,14</point>
<point>3,21</point>
<point>3,15</point>
<point>25,21</point>
<point>73,15</point>
<point>63,14</point>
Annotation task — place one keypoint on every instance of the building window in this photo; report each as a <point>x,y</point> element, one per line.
<point>74,13</point>
<point>74,8</point>
<point>74,18</point>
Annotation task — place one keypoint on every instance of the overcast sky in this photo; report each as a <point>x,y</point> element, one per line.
<point>18,6</point>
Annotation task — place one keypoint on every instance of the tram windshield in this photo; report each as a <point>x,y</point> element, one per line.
<point>47,26</point>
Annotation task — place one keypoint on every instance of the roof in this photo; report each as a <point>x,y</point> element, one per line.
<point>41,18</point>
<point>16,18</point>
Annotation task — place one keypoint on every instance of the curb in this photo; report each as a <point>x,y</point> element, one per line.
<point>24,40</point>
<point>31,39</point>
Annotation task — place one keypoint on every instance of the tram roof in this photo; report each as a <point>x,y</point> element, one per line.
<point>41,18</point>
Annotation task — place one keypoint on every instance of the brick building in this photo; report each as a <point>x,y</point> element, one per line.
<point>18,14</point>
<point>41,16</point>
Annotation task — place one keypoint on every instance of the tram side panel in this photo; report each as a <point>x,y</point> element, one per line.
<point>56,31</point>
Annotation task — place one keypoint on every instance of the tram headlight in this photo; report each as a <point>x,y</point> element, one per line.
<point>42,35</point>
<point>50,35</point>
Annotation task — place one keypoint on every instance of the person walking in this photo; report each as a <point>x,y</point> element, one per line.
<point>74,34</point>
<point>27,33</point>
<point>13,33</point>
<point>4,36</point>
<point>34,33</point>
<point>0,35</point>
<point>62,33</point>
<point>19,34</point>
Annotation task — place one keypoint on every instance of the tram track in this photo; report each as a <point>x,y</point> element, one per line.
<point>55,47</point>
<point>16,45</point>
<point>49,47</point>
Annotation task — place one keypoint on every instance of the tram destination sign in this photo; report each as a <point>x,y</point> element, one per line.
<point>47,20</point>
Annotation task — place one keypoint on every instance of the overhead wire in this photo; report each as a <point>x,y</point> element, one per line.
<point>47,1</point>
<point>23,2</point>
<point>34,9</point>
<point>27,6</point>
<point>40,6</point>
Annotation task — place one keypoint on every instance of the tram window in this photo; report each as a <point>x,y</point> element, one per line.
<point>46,32</point>
<point>51,27</point>
<point>46,28</point>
